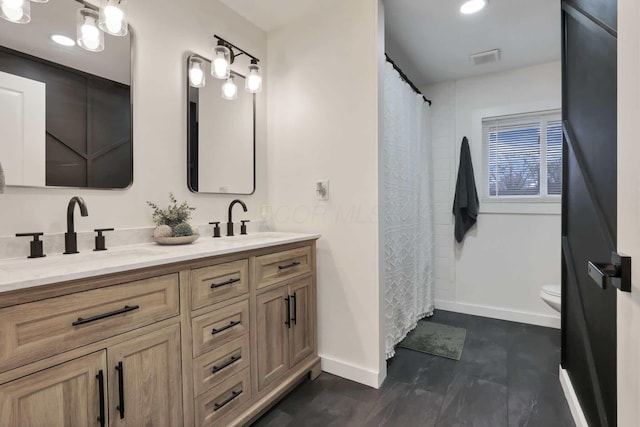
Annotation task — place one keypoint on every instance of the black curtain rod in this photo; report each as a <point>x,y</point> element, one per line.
<point>406,79</point>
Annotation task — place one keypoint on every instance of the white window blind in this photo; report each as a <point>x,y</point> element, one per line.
<point>524,155</point>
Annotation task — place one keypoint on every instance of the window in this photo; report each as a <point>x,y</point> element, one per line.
<point>520,150</point>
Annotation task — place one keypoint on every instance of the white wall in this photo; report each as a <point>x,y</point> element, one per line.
<point>629,209</point>
<point>162,36</point>
<point>500,267</point>
<point>323,124</point>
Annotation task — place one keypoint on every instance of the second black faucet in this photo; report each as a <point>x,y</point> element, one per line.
<point>230,223</point>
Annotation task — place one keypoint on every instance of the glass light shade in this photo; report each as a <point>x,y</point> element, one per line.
<point>90,37</point>
<point>196,72</point>
<point>39,1</point>
<point>18,11</point>
<point>230,89</point>
<point>221,64</point>
<point>113,17</point>
<point>253,81</point>
<point>473,6</point>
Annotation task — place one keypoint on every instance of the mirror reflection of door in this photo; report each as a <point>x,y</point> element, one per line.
<point>221,138</point>
<point>22,120</point>
<point>85,138</point>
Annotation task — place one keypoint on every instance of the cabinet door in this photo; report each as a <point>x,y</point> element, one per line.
<point>145,386</point>
<point>273,352</point>
<point>301,333</point>
<point>67,395</point>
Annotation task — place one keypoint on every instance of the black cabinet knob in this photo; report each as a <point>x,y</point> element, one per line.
<point>100,240</point>
<point>37,250</point>
<point>216,228</point>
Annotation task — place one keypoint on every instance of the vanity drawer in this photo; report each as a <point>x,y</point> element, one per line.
<point>273,268</point>
<point>220,364</point>
<point>219,327</point>
<point>214,405</point>
<point>210,285</point>
<point>44,328</point>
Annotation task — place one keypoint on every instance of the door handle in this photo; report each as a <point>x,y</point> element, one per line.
<point>102,419</point>
<point>294,297</point>
<point>287,322</point>
<point>120,407</point>
<point>617,273</point>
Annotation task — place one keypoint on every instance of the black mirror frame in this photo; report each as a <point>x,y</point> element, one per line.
<point>189,151</point>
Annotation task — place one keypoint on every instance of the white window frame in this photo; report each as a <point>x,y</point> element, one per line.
<point>544,205</point>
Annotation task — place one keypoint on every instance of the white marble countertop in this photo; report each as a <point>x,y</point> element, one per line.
<point>22,273</point>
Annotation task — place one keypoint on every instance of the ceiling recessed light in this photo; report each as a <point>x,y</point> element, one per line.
<point>473,6</point>
<point>63,40</point>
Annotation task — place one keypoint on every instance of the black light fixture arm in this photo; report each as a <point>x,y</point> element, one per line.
<point>88,5</point>
<point>235,48</point>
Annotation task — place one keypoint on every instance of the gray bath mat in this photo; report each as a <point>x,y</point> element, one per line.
<point>434,338</point>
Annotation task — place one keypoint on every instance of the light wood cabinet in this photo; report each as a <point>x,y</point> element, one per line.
<point>44,328</point>
<point>302,331</point>
<point>143,379</point>
<point>67,395</point>
<point>286,329</point>
<point>273,335</point>
<point>205,342</point>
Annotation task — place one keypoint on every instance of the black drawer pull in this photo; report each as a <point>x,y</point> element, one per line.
<point>227,283</point>
<point>229,362</point>
<point>228,400</point>
<point>224,328</point>
<point>126,309</point>
<point>293,264</point>
<point>120,406</point>
<point>101,419</point>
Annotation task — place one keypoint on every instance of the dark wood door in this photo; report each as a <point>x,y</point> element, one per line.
<point>589,222</point>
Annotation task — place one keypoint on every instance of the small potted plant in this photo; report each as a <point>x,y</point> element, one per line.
<point>172,223</point>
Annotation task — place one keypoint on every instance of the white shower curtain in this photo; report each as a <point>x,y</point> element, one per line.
<point>406,209</point>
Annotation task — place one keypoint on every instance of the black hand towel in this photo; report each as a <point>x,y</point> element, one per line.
<point>465,203</point>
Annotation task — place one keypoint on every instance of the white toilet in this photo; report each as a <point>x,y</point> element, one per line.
<point>552,295</point>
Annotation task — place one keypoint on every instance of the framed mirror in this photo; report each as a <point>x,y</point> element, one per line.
<point>65,112</point>
<point>221,136</point>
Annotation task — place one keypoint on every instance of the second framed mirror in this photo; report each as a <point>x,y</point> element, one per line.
<point>221,131</point>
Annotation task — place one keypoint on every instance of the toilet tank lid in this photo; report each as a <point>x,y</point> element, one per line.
<point>555,290</point>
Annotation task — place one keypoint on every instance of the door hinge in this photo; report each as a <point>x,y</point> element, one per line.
<point>617,273</point>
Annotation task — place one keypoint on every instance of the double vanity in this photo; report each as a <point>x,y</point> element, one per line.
<point>208,334</point>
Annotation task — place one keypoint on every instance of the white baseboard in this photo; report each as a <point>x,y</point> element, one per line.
<point>539,319</point>
<point>351,372</point>
<point>572,399</point>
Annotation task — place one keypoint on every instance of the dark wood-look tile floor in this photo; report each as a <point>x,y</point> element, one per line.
<point>507,376</point>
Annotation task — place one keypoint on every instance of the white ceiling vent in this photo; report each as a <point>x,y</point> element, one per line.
<point>485,57</point>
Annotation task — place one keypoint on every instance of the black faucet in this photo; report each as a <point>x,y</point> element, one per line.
<point>230,223</point>
<point>70,237</point>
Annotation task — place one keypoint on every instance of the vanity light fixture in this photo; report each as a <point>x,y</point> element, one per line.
<point>113,17</point>
<point>17,11</point>
<point>473,6</point>
<point>253,81</point>
<point>90,37</point>
<point>196,72</point>
<point>230,89</point>
<point>224,55</point>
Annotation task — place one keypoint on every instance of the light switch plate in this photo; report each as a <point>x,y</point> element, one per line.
<point>322,190</point>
